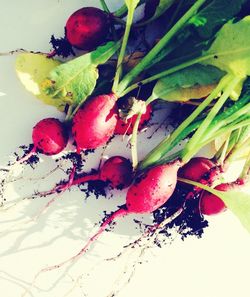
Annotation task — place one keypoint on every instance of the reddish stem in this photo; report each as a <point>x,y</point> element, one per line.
<point>26,157</point>
<point>51,54</point>
<point>86,178</point>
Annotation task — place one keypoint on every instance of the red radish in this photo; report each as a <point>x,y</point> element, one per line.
<point>153,189</point>
<point>87,28</point>
<point>49,137</point>
<point>95,122</point>
<point>201,170</point>
<point>149,192</point>
<point>211,204</point>
<point>196,168</point>
<point>123,127</point>
<point>116,171</point>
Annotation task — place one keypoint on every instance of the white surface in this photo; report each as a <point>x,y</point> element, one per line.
<point>215,266</point>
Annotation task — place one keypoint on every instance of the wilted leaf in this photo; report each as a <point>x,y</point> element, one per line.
<point>32,69</point>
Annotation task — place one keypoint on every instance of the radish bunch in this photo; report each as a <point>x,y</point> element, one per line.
<point>93,116</point>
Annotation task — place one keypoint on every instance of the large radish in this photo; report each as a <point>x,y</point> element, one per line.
<point>95,122</point>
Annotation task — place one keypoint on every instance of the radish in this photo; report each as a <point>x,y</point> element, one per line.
<point>87,28</point>
<point>95,122</point>
<point>199,169</point>
<point>147,193</point>
<point>196,168</point>
<point>211,204</point>
<point>126,127</point>
<point>116,171</point>
<point>49,137</point>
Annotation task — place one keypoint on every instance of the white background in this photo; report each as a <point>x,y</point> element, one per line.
<point>215,266</point>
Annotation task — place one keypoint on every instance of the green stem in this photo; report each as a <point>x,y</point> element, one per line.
<point>69,114</point>
<point>104,6</point>
<point>224,150</point>
<point>227,129</point>
<point>169,158</point>
<point>158,151</point>
<point>242,144</point>
<point>167,144</point>
<point>165,73</point>
<point>121,11</point>
<point>191,147</point>
<point>202,186</point>
<point>133,141</point>
<point>123,50</point>
<point>171,21</point>
<point>158,47</point>
<point>246,168</point>
<point>240,150</point>
<point>233,118</point>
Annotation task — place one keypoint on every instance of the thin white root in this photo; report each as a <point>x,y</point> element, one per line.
<point>145,241</point>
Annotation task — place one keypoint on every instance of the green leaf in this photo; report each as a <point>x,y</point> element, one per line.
<point>162,6</point>
<point>132,4</point>
<point>212,16</point>
<point>230,51</point>
<point>196,36</point>
<point>75,80</point>
<point>237,201</point>
<point>32,69</point>
<point>193,82</point>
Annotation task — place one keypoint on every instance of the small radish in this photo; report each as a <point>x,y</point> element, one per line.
<point>87,28</point>
<point>116,171</point>
<point>201,170</point>
<point>95,122</point>
<point>196,168</point>
<point>123,127</point>
<point>49,137</point>
<point>211,204</point>
<point>147,193</point>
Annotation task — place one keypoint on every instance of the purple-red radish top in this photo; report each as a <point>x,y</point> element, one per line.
<point>87,28</point>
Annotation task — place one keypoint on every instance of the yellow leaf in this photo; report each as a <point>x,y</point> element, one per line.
<point>194,92</point>
<point>32,69</point>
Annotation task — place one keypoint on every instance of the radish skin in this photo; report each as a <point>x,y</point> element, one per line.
<point>211,204</point>
<point>196,168</point>
<point>87,28</point>
<point>49,136</point>
<point>95,122</point>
